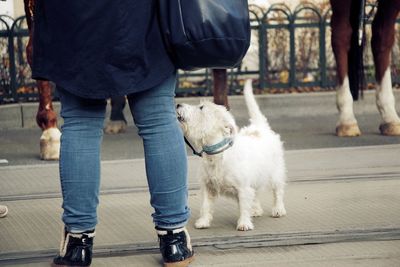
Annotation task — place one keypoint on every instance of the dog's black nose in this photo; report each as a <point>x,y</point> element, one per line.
<point>178,106</point>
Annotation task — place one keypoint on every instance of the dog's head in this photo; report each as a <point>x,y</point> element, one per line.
<point>205,123</point>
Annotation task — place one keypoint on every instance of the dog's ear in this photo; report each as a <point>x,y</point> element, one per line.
<point>230,128</point>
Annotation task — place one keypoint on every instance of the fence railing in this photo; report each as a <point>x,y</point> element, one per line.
<point>289,49</point>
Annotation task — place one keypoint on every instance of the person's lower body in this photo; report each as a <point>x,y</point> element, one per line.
<point>166,167</point>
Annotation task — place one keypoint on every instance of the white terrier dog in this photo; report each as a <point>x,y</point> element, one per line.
<point>238,164</point>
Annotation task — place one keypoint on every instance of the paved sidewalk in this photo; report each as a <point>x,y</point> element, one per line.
<point>342,198</point>
<point>304,121</point>
<point>341,212</point>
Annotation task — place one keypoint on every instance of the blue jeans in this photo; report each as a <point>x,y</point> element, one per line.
<point>154,114</point>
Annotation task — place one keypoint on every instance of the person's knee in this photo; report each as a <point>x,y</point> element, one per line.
<point>157,122</point>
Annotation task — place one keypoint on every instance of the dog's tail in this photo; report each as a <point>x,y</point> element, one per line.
<point>256,117</point>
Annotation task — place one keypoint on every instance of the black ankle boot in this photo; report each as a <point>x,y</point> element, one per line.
<point>175,247</point>
<point>75,249</point>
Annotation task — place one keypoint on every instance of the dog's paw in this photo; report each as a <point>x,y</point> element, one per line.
<point>278,211</point>
<point>202,223</point>
<point>244,225</point>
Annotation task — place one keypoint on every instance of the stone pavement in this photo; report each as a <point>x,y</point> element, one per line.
<point>342,198</point>
<point>304,121</point>
<point>341,211</point>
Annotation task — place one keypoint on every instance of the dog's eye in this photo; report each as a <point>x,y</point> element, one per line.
<point>201,107</point>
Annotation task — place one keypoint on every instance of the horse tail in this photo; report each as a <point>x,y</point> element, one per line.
<point>355,55</point>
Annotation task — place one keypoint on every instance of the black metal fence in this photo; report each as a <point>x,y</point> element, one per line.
<point>290,49</point>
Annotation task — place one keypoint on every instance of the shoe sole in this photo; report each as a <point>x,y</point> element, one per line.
<point>184,263</point>
<point>57,265</point>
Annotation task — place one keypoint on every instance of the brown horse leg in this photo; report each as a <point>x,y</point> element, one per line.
<point>117,122</point>
<point>46,119</point>
<point>383,36</point>
<point>220,87</point>
<point>341,37</point>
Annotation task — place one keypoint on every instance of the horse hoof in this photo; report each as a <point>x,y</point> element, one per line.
<point>50,144</point>
<point>391,129</point>
<point>115,127</point>
<point>348,130</point>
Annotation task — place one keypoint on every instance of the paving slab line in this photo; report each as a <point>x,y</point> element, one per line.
<point>224,243</point>
<point>326,205</point>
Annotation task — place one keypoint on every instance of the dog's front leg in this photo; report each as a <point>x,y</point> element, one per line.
<point>206,210</point>
<point>245,198</point>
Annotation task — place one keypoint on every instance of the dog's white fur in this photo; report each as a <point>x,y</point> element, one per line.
<point>254,162</point>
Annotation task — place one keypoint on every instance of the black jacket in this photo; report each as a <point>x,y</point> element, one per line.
<point>99,48</point>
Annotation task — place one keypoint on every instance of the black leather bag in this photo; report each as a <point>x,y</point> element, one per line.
<point>205,33</point>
